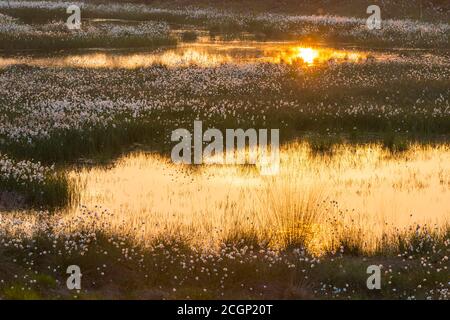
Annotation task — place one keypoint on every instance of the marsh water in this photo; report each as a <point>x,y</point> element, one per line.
<point>361,186</point>
<point>212,53</point>
<point>365,188</point>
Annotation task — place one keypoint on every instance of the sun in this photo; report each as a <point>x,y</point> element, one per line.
<point>308,55</point>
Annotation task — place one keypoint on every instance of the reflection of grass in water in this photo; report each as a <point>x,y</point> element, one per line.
<point>49,42</point>
<point>189,36</point>
<point>322,145</point>
<point>354,198</point>
<point>394,143</point>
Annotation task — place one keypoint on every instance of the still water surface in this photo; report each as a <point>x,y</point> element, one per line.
<point>361,189</point>
<point>209,54</point>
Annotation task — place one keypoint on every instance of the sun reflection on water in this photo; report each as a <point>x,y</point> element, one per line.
<point>197,54</point>
<point>310,56</point>
<point>307,54</point>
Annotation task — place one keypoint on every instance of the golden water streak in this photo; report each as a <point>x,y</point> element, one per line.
<point>361,191</point>
<point>199,54</point>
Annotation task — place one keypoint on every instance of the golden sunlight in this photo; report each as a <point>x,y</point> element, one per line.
<point>308,55</point>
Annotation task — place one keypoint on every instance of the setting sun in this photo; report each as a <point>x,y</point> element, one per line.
<point>307,54</point>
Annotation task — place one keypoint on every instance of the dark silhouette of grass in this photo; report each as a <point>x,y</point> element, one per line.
<point>168,268</point>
